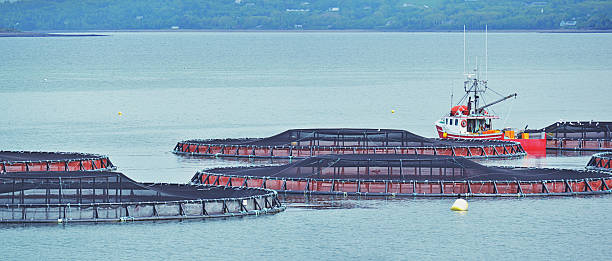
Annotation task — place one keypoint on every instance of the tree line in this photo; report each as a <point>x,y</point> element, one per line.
<point>395,15</point>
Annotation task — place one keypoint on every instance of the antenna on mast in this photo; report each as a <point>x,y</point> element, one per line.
<point>487,52</point>
<point>476,83</point>
<point>452,93</point>
<point>464,72</point>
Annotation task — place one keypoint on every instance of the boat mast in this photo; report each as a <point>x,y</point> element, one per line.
<point>468,80</point>
<point>477,84</point>
<point>473,83</point>
<point>487,53</point>
<point>476,81</point>
<point>464,72</point>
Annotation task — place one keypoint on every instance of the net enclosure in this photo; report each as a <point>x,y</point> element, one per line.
<point>84,196</point>
<point>408,175</point>
<point>302,143</point>
<point>26,161</point>
<point>601,161</point>
<point>579,135</point>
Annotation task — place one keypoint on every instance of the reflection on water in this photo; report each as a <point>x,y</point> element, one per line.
<point>553,159</point>
<point>237,160</point>
<point>569,153</point>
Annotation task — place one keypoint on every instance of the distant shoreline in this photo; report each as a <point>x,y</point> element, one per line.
<point>93,33</point>
<point>36,34</point>
<point>345,31</point>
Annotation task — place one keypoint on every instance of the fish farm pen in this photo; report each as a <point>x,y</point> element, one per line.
<point>601,161</point>
<point>26,161</point>
<point>85,196</point>
<point>581,135</point>
<point>408,175</point>
<point>303,143</point>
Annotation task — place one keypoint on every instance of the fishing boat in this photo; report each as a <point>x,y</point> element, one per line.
<point>473,121</point>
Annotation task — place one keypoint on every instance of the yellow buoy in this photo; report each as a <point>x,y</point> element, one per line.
<point>444,135</point>
<point>119,113</point>
<point>392,111</point>
<point>460,205</point>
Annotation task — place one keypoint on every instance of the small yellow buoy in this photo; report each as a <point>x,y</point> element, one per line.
<point>444,135</point>
<point>119,113</point>
<point>460,205</point>
<point>392,111</point>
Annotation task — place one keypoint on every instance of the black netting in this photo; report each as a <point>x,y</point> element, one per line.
<point>12,156</point>
<point>603,155</point>
<point>580,129</point>
<point>402,167</point>
<point>346,137</point>
<point>100,187</point>
<point>601,161</point>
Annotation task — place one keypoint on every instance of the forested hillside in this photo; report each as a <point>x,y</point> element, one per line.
<point>304,14</point>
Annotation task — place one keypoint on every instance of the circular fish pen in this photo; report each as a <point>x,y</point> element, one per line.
<point>80,196</point>
<point>303,143</point>
<point>408,175</point>
<point>28,161</point>
<point>581,135</point>
<point>601,161</point>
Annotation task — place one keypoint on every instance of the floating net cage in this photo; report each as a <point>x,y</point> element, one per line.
<point>408,175</point>
<point>580,135</point>
<point>601,161</point>
<point>27,161</point>
<point>303,143</point>
<point>80,196</point>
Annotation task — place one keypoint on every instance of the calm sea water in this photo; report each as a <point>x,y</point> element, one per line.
<point>64,94</point>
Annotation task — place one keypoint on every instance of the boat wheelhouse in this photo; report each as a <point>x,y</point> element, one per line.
<point>459,125</point>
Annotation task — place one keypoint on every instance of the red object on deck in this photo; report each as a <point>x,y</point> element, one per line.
<point>459,109</point>
<point>536,147</point>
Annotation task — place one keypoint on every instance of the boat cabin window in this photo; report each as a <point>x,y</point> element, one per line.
<point>478,125</point>
<point>456,121</point>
